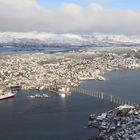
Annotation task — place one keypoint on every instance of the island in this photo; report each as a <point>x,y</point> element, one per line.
<point>62,70</point>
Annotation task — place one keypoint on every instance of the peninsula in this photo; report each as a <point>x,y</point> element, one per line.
<point>39,70</point>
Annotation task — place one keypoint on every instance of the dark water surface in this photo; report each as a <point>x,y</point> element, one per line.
<point>124,84</point>
<point>55,118</point>
<point>37,49</point>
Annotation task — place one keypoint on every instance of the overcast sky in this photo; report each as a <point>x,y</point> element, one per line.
<point>74,16</point>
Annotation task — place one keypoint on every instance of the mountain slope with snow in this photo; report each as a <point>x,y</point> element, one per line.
<point>39,39</point>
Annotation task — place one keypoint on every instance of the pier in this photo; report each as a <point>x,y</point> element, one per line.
<point>102,96</point>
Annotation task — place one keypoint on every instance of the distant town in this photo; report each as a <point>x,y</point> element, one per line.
<point>60,71</point>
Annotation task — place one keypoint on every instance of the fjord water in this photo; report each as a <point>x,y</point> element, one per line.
<point>122,83</point>
<point>55,118</point>
<point>37,49</point>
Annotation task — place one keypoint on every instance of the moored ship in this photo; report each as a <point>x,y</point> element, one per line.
<point>6,94</point>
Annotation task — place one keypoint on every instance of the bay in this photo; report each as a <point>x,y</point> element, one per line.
<point>57,118</point>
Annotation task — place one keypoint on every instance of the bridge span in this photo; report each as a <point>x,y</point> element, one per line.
<point>102,96</point>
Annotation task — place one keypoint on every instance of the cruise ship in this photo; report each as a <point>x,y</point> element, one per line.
<point>6,95</point>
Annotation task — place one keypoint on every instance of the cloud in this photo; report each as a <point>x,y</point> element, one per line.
<point>17,15</point>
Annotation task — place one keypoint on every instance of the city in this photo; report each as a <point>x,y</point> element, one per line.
<point>42,70</point>
<point>70,70</point>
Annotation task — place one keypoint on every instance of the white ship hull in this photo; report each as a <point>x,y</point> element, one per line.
<point>6,96</point>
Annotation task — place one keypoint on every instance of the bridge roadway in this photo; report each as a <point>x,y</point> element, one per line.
<point>102,95</point>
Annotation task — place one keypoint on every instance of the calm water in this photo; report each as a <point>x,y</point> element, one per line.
<point>37,49</point>
<point>55,118</point>
<point>125,84</point>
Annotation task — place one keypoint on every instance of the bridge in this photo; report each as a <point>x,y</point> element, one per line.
<point>102,95</point>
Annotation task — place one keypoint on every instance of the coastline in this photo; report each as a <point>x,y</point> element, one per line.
<point>42,70</point>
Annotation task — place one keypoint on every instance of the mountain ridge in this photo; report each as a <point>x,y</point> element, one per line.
<point>38,39</point>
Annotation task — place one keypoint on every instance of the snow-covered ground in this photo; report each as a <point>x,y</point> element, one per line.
<point>45,39</point>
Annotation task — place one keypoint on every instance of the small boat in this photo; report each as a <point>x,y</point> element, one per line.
<point>6,95</point>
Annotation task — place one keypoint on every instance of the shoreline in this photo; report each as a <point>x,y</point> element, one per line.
<point>41,70</point>
<point>117,123</point>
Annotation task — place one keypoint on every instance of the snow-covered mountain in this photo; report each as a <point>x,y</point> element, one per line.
<point>39,39</point>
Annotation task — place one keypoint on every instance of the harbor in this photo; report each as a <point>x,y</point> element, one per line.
<point>61,118</point>
<point>69,70</point>
<point>91,82</point>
